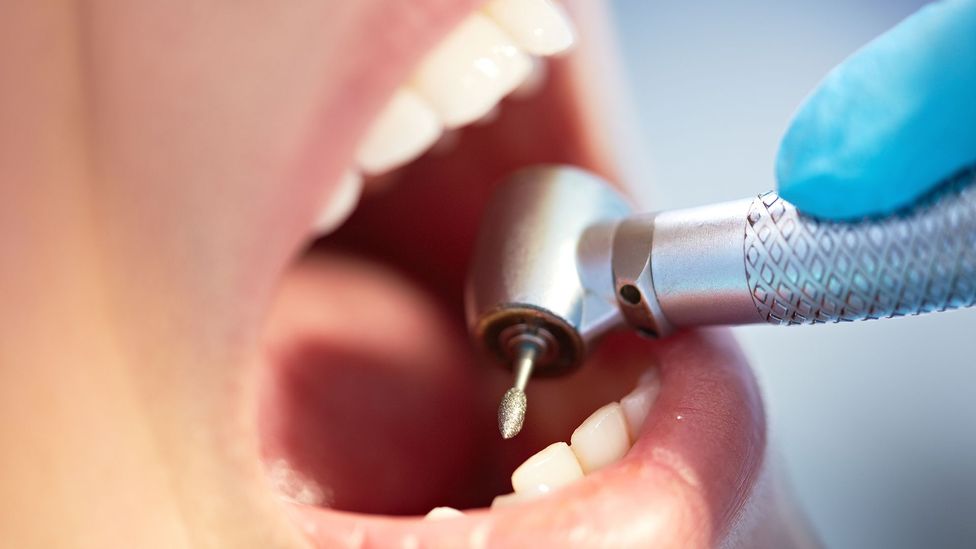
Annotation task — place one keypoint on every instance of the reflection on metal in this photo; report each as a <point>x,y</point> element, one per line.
<point>560,261</point>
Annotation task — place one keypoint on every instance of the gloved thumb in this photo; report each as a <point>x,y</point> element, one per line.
<point>888,123</point>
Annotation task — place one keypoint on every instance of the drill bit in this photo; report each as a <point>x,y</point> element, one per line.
<point>511,411</point>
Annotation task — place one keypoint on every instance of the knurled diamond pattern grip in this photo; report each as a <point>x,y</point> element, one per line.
<point>804,271</point>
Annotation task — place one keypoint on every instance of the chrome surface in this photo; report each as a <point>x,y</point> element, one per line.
<point>534,266</point>
<point>803,271</point>
<point>696,266</point>
<point>558,261</point>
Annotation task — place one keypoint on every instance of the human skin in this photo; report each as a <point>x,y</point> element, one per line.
<point>160,167</point>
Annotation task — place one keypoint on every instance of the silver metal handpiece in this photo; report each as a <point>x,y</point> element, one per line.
<point>760,260</point>
<point>561,260</point>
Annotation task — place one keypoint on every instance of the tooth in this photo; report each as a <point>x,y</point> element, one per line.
<point>406,128</point>
<point>637,404</point>
<point>534,81</point>
<point>441,513</point>
<point>550,468</point>
<point>601,439</point>
<point>537,26</point>
<point>488,117</point>
<point>512,499</point>
<point>342,202</point>
<point>470,71</point>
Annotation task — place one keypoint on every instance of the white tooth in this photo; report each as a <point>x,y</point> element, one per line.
<point>441,513</point>
<point>470,71</point>
<point>403,131</point>
<point>534,81</point>
<point>342,201</point>
<point>537,26</point>
<point>550,468</point>
<point>637,404</point>
<point>488,117</point>
<point>601,439</point>
<point>512,499</point>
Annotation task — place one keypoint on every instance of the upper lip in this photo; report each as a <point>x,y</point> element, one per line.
<point>703,445</point>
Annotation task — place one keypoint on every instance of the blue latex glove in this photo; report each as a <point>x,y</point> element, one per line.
<point>889,122</point>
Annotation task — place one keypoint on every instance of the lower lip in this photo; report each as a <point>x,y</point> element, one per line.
<point>696,458</point>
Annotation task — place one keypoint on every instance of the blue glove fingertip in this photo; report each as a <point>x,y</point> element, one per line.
<point>888,123</point>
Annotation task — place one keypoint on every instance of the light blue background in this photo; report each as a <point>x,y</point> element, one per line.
<point>875,420</point>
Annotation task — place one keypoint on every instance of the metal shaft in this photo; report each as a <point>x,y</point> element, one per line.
<point>523,365</point>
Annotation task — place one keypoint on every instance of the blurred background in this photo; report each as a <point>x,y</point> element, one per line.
<point>874,421</point>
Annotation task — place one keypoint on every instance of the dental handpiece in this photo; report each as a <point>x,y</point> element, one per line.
<point>561,259</point>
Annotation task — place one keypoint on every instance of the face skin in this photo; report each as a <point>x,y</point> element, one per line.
<point>160,167</point>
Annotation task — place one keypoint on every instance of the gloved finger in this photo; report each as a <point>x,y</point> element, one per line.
<point>888,123</point>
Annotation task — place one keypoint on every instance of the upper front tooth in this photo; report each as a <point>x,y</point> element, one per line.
<point>533,82</point>
<point>601,439</point>
<point>342,201</point>
<point>538,26</point>
<point>470,71</point>
<point>547,470</point>
<point>402,132</point>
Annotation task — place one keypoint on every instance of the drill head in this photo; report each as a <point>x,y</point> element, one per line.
<point>511,411</point>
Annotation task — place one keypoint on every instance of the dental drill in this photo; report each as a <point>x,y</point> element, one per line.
<point>561,259</point>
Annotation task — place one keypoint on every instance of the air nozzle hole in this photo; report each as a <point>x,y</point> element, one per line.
<point>630,294</point>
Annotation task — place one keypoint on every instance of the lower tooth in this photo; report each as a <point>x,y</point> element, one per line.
<point>637,404</point>
<point>441,513</point>
<point>601,439</point>
<point>510,500</point>
<point>551,468</point>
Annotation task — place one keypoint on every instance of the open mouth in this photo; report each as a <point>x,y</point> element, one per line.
<point>374,407</point>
